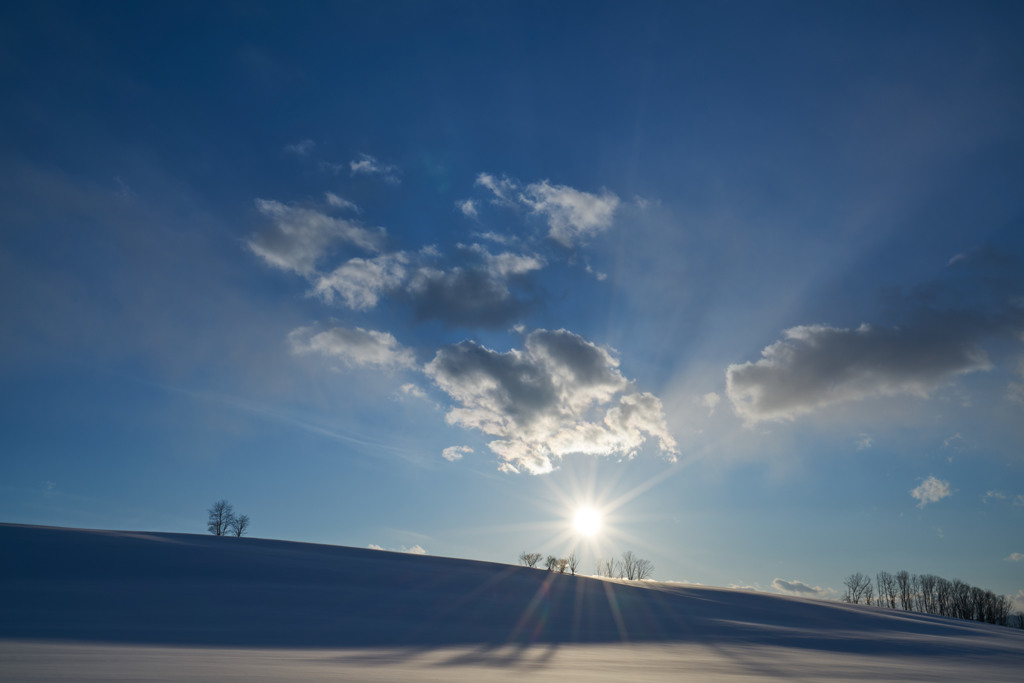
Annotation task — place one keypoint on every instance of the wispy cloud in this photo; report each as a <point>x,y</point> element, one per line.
<point>299,238</point>
<point>710,401</point>
<point>931,490</point>
<point>572,215</point>
<point>864,442</point>
<point>453,453</point>
<point>1015,557</point>
<point>340,202</point>
<point>554,397</point>
<point>468,208</point>
<point>301,148</point>
<point>355,347</point>
<point>369,165</point>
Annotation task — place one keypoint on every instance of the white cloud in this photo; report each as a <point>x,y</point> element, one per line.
<point>554,397</point>
<point>453,453</point>
<point>1015,557</point>
<point>931,490</point>
<point>415,550</point>
<point>368,165</point>
<point>340,202</point>
<point>816,366</point>
<point>354,347</point>
<point>1018,500</point>
<point>710,401</point>
<point>502,188</point>
<point>864,442</point>
<point>572,215</point>
<point>374,546</point>
<point>798,588</point>
<point>301,148</point>
<point>413,391</point>
<point>993,495</point>
<point>300,237</point>
<point>506,264</point>
<point>468,208</point>
<point>361,282</point>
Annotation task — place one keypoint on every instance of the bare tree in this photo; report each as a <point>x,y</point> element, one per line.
<point>644,569</point>
<point>858,589</point>
<point>529,559</point>
<point>221,516</point>
<point>239,525</point>
<point>906,590</point>
<point>610,568</point>
<point>551,562</point>
<point>887,589</point>
<point>561,565</point>
<point>629,561</point>
<point>574,562</point>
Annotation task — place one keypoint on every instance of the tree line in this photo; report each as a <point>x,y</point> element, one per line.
<point>629,566</point>
<point>929,594</point>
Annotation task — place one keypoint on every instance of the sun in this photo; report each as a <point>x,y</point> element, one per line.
<point>587,521</point>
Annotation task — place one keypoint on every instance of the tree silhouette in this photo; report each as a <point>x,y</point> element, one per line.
<point>221,517</point>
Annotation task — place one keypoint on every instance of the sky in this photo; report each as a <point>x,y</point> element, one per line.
<point>746,278</point>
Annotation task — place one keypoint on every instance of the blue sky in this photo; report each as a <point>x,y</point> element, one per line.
<point>746,277</point>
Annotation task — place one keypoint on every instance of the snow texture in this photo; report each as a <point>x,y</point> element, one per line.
<point>79,605</point>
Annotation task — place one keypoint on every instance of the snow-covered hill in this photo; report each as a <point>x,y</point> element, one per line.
<point>97,605</point>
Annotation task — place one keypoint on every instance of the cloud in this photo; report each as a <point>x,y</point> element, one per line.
<point>710,401</point>
<point>864,442</point>
<point>368,165</point>
<point>340,202</point>
<point>554,397</point>
<point>931,490</point>
<point>504,190</point>
<point>797,587</point>
<point>1015,557</point>
<point>936,336</point>
<point>413,391</point>
<point>473,295</point>
<point>374,546</point>
<point>299,238</point>
<point>453,453</point>
<point>354,347</point>
<point>1018,500</point>
<point>301,148</point>
<point>572,215</point>
<point>361,282</point>
<point>993,495</point>
<point>816,365</point>
<point>468,208</point>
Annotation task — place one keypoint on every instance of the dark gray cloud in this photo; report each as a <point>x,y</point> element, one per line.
<point>475,295</point>
<point>558,395</point>
<point>939,334</point>
<point>815,365</point>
